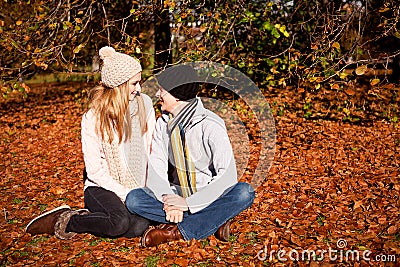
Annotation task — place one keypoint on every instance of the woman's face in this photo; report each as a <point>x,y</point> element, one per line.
<point>134,85</point>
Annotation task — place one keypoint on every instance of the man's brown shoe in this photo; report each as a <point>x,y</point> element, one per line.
<point>223,232</point>
<point>44,224</point>
<point>165,233</point>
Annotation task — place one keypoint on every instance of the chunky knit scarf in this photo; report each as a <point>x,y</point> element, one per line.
<point>130,169</point>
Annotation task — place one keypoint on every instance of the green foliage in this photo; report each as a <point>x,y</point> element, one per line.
<point>17,201</point>
<point>237,33</point>
<point>37,240</point>
<point>43,207</point>
<point>276,43</point>
<point>151,261</point>
<point>321,219</point>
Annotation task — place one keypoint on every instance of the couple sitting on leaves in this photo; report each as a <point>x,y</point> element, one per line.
<point>167,180</point>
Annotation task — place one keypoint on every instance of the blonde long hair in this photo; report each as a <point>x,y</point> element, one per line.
<point>111,108</point>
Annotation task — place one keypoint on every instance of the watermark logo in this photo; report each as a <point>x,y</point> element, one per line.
<point>341,243</point>
<point>340,254</point>
<point>217,77</point>
<point>221,76</point>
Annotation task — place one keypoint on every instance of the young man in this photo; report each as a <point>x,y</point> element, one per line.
<point>192,187</point>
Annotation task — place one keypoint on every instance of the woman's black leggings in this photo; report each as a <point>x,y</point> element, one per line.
<point>108,216</point>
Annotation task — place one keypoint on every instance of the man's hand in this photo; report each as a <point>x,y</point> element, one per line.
<point>175,216</point>
<point>172,202</point>
<point>174,206</point>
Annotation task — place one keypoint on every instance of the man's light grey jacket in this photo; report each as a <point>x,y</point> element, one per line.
<point>209,148</point>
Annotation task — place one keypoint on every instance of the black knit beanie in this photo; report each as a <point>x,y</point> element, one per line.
<point>181,81</point>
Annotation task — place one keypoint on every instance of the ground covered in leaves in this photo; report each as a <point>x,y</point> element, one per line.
<point>334,185</point>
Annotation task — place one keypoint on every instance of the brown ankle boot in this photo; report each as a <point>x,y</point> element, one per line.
<point>164,233</point>
<point>44,224</point>
<point>60,227</point>
<point>223,232</point>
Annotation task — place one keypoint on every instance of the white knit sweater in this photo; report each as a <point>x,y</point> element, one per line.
<point>107,165</point>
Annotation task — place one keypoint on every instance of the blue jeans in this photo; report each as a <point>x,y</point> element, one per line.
<point>197,225</point>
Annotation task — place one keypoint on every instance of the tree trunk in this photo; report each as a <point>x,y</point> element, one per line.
<point>162,35</point>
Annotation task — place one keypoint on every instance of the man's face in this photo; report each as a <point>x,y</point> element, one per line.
<point>168,101</point>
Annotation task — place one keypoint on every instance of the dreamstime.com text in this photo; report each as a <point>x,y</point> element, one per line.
<point>340,254</point>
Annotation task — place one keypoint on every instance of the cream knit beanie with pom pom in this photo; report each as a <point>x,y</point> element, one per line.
<point>117,67</point>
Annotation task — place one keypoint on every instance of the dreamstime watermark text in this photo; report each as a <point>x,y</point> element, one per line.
<point>340,254</point>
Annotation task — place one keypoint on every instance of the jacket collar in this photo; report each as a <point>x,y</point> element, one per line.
<point>199,115</point>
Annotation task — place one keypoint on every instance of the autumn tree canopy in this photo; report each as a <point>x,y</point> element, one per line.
<point>276,43</point>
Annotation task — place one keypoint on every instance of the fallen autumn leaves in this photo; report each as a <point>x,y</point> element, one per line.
<point>330,180</point>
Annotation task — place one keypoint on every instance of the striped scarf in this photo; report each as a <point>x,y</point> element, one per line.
<point>181,160</point>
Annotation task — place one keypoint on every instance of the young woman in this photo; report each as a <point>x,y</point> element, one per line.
<point>116,137</point>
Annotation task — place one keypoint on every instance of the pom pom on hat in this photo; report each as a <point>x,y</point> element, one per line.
<point>117,67</point>
<point>106,52</point>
